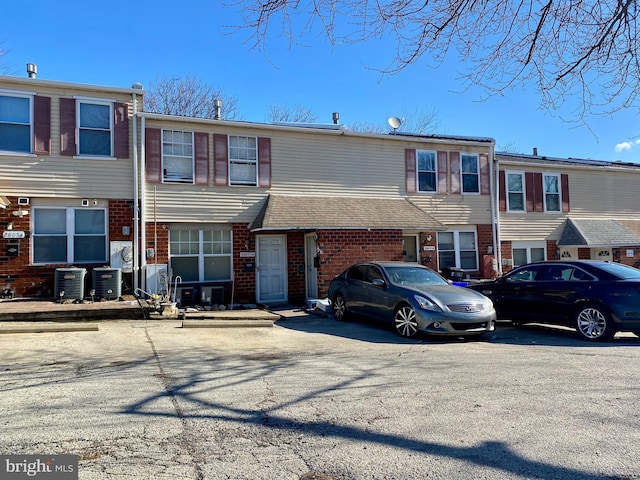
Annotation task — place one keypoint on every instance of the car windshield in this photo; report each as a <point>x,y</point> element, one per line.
<point>414,276</point>
<point>619,270</point>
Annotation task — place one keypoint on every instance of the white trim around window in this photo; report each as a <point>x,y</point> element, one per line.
<point>527,252</point>
<point>515,191</point>
<point>178,157</point>
<point>469,173</point>
<point>94,131</point>
<point>552,192</point>
<point>16,123</point>
<point>458,248</point>
<point>427,171</point>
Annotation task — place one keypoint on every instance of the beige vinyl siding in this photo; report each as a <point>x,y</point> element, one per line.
<point>452,210</point>
<point>57,176</point>
<point>303,163</point>
<point>594,192</point>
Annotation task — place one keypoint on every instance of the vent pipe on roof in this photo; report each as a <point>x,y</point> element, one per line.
<point>535,151</point>
<point>336,117</point>
<point>32,69</point>
<point>217,107</point>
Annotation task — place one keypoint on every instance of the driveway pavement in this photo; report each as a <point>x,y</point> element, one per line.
<point>147,399</point>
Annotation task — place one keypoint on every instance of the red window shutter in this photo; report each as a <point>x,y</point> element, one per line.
<point>121,130</point>
<point>455,172</point>
<point>564,181</point>
<point>220,159</point>
<point>442,172</point>
<point>201,158</point>
<point>502,187</point>
<point>68,127</point>
<point>485,174</point>
<point>410,169</point>
<point>153,154</point>
<point>530,191</point>
<point>538,193</point>
<point>42,125</point>
<point>264,162</point>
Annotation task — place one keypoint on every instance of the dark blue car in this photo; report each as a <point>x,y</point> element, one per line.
<point>597,298</point>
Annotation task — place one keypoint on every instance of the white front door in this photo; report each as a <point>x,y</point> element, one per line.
<point>271,263</point>
<point>311,269</point>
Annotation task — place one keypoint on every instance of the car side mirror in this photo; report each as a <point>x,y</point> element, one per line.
<point>378,282</point>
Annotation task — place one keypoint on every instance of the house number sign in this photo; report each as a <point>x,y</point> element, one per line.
<point>13,234</point>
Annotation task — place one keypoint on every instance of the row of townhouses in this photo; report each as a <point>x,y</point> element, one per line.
<point>228,211</point>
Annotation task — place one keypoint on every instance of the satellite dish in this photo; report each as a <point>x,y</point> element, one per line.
<point>395,122</point>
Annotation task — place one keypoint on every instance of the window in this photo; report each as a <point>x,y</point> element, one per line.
<point>15,123</point>
<point>551,182</point>
<point>458,249</point>
<point>515,192</point>
<point>527,252</point>
<point>69,235</point>
<point>427,177</point>
<point>177,156</point>
<point>470,172</point>
<point>201,255</point>
<point>95,124</point>
<point>243,160</point>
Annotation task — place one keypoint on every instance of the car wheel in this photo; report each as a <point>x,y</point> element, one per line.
<point>405,321</point>
<point>340,307</point>
<point>593,323</point>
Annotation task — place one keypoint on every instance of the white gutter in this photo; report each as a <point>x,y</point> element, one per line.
<point>136,196</point>
<point>495,210</point>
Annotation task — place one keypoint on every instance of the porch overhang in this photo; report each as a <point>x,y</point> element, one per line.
<point>4,202</point>
<point>597,233</point>
<point>288,212</point>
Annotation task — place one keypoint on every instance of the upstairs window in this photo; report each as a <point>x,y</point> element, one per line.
<point>95,127</point>
<point>243,160</point>
<point>470,172</point>
<point>177,156</point>
<point>427,173</point>
<point>15,123</point>
<point>515,191</point>
<point>551,184</point>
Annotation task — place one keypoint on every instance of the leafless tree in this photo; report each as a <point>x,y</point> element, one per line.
<point>582,53</point>
<point>190,97</point>
<point>284,113</point>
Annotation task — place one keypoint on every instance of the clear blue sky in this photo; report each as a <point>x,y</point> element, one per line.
<point>118,43</point>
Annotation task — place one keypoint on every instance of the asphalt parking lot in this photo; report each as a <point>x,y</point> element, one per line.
<point>150,400</point>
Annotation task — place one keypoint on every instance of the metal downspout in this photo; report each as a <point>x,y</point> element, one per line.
<point>136,196</point>
<point>143,215</point>
<point>495,210</point>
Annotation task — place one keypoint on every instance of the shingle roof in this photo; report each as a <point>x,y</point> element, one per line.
<point>597,232</point>
<point>283,212</point>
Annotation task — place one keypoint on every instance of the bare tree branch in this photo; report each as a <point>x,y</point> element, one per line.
<point>189,97</point>
<point>582,53</point>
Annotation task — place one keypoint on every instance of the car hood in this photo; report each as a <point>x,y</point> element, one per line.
<point>450,294</point>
